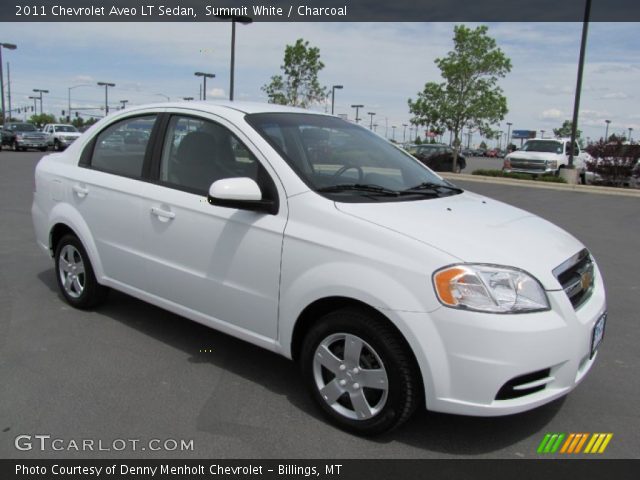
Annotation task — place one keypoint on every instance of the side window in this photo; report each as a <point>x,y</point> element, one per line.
<point>120,149</point>
<point>198,152</point>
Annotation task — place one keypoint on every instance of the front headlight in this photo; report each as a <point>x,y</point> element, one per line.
<point>552,164</point>
<point>489,288</point>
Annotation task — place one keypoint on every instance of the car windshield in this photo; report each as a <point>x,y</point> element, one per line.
<point>23,127</point>
<point>545,146</point>
<point>66,128</point>
<point>347,162</point>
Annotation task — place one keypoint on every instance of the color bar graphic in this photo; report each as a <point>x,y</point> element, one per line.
<point>574,443</point>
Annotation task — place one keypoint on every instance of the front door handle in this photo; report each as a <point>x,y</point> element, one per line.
<point>163,214</point>
<point>80,190</point>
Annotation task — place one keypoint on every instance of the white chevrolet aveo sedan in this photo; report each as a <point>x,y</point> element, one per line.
<point>315,238</point>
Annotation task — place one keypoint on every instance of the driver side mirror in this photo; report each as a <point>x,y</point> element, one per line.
<point>242,193</point>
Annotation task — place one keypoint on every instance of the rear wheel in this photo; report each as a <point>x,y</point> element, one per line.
<point>75,276</point>
<point>360,372</point>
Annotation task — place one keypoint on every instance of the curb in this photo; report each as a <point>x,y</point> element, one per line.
<point>535,184</point>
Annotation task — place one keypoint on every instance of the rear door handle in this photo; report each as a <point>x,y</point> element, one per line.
<point>80,190</point>
<point>161,213</point>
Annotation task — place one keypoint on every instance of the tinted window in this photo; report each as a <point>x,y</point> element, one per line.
<point>120,149</point>
<point>198,152</point>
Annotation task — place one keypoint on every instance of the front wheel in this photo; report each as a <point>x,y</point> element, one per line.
<point>75,276</point>
<point>360,372</point>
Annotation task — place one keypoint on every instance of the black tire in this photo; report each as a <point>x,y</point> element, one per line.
<point>388,353</point>
<point>92,293</point>
<point>56,146</point>
<point>43,149</point>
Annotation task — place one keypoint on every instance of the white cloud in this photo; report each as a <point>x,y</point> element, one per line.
<point>83,79</point>
<point>555,90</point>
<point>615,96</point>
<point>216,93</point>
<point>552,114</point>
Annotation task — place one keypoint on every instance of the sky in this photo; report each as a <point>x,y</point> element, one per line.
<point>380,65</point>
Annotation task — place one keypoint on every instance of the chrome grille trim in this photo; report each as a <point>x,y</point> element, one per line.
<point>576,276</point>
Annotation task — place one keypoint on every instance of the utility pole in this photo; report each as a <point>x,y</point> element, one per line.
<point>357,107</point>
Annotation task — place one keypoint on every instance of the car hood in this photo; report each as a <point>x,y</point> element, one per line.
<point>476,229</point>
<point>534,155</point>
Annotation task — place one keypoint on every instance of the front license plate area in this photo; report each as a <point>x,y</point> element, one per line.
<point>597,333</point>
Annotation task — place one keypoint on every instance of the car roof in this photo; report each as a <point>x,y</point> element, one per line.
<point>218,106</point>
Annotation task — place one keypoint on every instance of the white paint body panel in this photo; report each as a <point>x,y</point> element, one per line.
<point>251,274</point>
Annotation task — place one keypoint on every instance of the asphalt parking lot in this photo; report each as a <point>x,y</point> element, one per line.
<point>132,371</point>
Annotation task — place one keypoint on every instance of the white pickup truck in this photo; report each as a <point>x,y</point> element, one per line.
<point>540,156</point>
<point>60,136</point>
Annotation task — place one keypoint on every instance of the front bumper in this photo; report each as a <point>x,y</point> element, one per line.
<point>531,171</point>
<point>466,358</point>
<point>31,143</point>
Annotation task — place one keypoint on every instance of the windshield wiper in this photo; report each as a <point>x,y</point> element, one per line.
<point>359,187</point>
<point>432,186</point>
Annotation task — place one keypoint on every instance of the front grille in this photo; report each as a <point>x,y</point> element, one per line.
<point>528,164</point>
<point>576,275</point>
<point>525,385</point>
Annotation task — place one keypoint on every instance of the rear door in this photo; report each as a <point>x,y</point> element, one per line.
<point>107,193</point>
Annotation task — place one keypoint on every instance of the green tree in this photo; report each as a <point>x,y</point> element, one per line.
<point>565,130</point>
<point>469,96</point>
<point>42,119</point>
<point>299,86</point>
<point>483,145</point>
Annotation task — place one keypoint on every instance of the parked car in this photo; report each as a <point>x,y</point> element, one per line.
<point>21,136</point>
<point>439,158</point>
<point>391,287</point>
<point>546,156</point>
<point>60,136</point>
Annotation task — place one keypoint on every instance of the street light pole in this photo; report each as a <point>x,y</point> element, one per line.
<point>35,107</point>
<point>106,86</point>
<point>508,135</point>
<point>357,107</point>
<point>245,21</point>
<point>393,133</point>
<point>404,132</point>
<point>8,46</point>
<point>606,132</point>
<point>630,129</point>
<point>37,90</point>
<point>371,114</point>
<point>124,103</point>
<point>333,95</point>
<point>204,78</point>
<point>69,98</point>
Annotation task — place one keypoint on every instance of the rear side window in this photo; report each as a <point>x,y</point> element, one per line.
<point>121,148</point>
